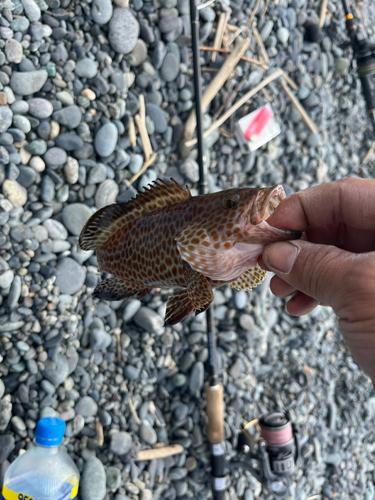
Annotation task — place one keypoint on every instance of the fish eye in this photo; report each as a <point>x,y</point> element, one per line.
<point>230,201</point>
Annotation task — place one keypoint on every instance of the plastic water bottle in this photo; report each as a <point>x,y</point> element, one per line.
<point>45,471</point>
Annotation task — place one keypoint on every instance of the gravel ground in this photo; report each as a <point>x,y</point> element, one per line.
<point>70,78</point>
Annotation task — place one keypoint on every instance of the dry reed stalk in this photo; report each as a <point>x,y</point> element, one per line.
<point>145,166</point>
<point>323,12</point>
<point>131,132</point>
<point>216,84</point>
<point>299,107</point>
<point>165,451</point>
<point>259,41</point>
<point>251,18</point>
<point>219,34</point>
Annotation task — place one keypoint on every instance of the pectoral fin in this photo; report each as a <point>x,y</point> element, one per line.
<point>250,279</point>
<point>117,289</point>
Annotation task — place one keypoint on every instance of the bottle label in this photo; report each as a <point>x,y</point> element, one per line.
<point>12,495</point>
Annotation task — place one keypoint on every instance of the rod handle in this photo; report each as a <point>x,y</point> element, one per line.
<point>215,413</point>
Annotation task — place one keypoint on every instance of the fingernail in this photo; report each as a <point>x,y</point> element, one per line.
<point>281,256</point>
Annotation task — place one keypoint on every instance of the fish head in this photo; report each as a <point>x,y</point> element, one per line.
<point>239,215</point>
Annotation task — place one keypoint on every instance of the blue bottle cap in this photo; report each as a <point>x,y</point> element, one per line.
<point>49,431</point>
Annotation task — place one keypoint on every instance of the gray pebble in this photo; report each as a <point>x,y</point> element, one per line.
<point>106,139</point>
<point>20,24</point>
<point>75,217</point>
<point>170,68</point>
<point>14,294</point>
<point>93,481</point>
<point>6,446</point>
<point>32,10</point>
<point>27,83</point>
<point>196,377</point>
<point>56,371</point>
<point>55,229</point>
<point>69,141</point>
<point>6,117</point>
<point>86,407</point>
<point>40,108</point>
<point>87,68</point>
<point>70,276</point>
<point>2,391</point>
<point>106,194</point>
<point>113,475</point>
<point>120,443</point>
<point>158,116</point>
<point>101,11</point>
<point>131,372</point>
<point>5,414</point>
<point>149,320</point>
<point>55,157</point>
<point>123,31</point>
<point>70,116</point>
<point>99,339</point>
<point>189,168</point>
<point>147,433</point>
<point>13,51</point>
<point>97,174</point>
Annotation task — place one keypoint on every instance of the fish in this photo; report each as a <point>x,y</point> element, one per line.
<point>167,238</point>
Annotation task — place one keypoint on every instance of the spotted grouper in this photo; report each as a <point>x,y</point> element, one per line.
<point>166,238</point>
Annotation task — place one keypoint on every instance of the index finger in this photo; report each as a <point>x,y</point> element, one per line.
<point>350,201</point>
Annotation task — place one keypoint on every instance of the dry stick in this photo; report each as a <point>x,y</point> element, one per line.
<point>229,97</point>
<point>237,105</point>
<point>219,34</point>
<point>323,11</point>
<point>133,412</point>
<point>132,136</point>
<point>251,18</point>
<point>165,451</point>
<point>265,8</point>
<point>140,120</point>
<point>234,36</point>
<point>148,163</point>
<point>259,41</point>
<point>217,83</point>
<point>289,81</point>
<point>297,104</point>
<point>369,153</point>
<point>248,59</point>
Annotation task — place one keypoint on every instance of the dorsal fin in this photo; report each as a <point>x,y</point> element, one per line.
<point>106,221</point>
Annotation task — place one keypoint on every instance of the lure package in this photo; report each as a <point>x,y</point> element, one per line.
<point>259,127</point>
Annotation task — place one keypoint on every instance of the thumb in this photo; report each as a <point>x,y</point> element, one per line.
<point>326,273</point>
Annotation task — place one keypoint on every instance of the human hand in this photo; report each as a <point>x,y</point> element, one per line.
<point>334,263</point>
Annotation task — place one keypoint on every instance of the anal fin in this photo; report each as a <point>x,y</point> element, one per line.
<point>117,289</point>
<point>178,307</point>
<point>249,279</point>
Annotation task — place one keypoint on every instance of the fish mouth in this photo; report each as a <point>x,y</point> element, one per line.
<point>265,203</point>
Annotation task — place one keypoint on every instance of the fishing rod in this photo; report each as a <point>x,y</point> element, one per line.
<point>273,457</point>
<point>214,391</point>
<point>364,54</point>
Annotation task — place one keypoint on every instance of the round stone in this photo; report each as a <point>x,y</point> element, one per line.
<point>106,139</point>
<point>123,31</point>
<point>20,24</point>
<point>7,443</point>
<point>15,193</point>
<point>170,68</point>
<point>6,279</point>
<point>55,157</point>
<point>70,276</point>
<point>113,475</point>
<point>32,10</point>
<point>75,217</point>
<point>71,170</point>
<point>6,117</point>
<point>70,116</point>
<point>147,433</point>
<point>101,11</point>
<point>93,481</point>
<point>99,339</point>
<point>283,35</point>
<point>28,82</point>
<point>158,116</point>
<point>138,54</point>
<point>86,407</point>
<point>56,231</point>
<point>120,443</point>
<point>149,320</point>
<point>40,108</point>
<point>69,141</point>
<point>86,68</point>
<point>13,51</point>
<point>22,123</point>
<point>106,194</point>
